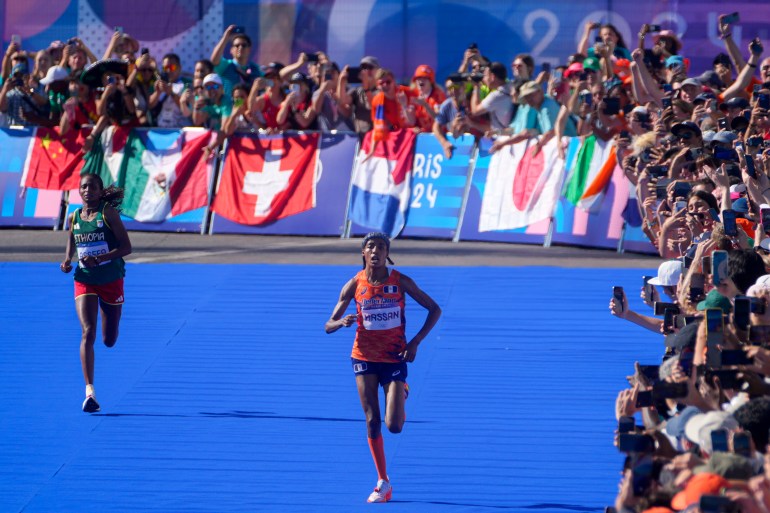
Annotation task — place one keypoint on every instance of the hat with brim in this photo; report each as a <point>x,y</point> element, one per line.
<point>675,425</point>
<point>591,64</point>
<point>127,44</point>
<point>572,69</point>
<point>528,88</point>
<point>92,75</point>
<point>728,465</point>
<point>685,126</point>
<point>668,274</point>
<point>716,300</point>
<point>55,73</point>
<point>734,103</point>
<point>698,429</point>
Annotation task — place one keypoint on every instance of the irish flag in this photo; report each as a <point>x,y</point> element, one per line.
<point>591,173</point>
<point>164,173</point>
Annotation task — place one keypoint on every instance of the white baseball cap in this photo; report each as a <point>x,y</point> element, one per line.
<point>668,273</point>
<point>54,73</point>
<point>212,78</point>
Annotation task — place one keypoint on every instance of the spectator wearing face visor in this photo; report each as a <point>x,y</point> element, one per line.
<point>325,102</point>
<point>240,69</point>
<point>214,106</point>
<point>264,108</point>
<point>453,117</point>
<point>427,97</point>
<point>169,87</point>
<point>356,103</point>
<point>297,108</point>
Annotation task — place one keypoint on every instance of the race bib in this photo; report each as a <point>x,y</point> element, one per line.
<point>376,319</point>
<point>92,249</point>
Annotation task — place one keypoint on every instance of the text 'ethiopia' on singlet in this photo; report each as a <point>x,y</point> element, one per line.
<point>380,336</point>
<point>94,238</point>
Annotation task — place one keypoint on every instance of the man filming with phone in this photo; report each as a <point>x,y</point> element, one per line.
<point>239,69</point>
<point>498,102</point>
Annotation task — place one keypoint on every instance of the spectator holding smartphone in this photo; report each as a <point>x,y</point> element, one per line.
<point>325,102</point>
<point>169,87</point>
<point>79,109</point>
<point>498,103</point>
<point>142,82</point>
<point>356,103</point>
<point>452,116</point>
<point>297,110</point>
<point>211,109</point>
<point>264,108</point>
<point>240,69</point>
<point>18,101</point>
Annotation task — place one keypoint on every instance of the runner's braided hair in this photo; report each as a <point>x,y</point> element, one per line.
<point>112,195</point>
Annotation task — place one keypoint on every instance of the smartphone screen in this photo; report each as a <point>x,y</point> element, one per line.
<point>668,321</point>
<point>714,320</point>
<point>742,444</point>
<point>651,372</point>
<point>661,307</point>
<point>718,266</point>
<point>728,219</point>
<point>719,440</point>
<point>626,425</point>
<point>741,313</point>
<point>765,216</point>
<point>735,357</point>
<point>354,73</point>
<point>666,390</point>
<point>644,400</point>
<point>750,169</point>
<point>618,294</point>
<point>723,123</point>
<point>697,284</point>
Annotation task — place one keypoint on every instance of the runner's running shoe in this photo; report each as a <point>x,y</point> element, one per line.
<point>90,405</point>
<point>382,493</point>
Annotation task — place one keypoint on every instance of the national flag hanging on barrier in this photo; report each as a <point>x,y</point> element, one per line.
<point>522,186</point>
<point>106,155</point>
<point>380,192</point>
<point>591,173</point>
<point>266,179</point>
<point>164,173</point>
<point>54,162</point>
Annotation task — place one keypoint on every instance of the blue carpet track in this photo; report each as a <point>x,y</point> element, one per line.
<point>224,393</point>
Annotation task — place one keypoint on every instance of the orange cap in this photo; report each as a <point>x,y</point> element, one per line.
<point>424,71</point>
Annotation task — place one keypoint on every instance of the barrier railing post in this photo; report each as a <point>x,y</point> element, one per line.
<point>208,215</point>
<point>467,191</point>
<point>347,223</point>
<point>621,240</point>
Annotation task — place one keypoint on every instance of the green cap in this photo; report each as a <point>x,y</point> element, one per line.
<point>716,300</point>
<point>591,63</point>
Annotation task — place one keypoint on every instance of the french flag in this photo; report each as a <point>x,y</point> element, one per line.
<point>380,189</point>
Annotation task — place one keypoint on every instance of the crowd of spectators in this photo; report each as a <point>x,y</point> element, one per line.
<point>693,426</point>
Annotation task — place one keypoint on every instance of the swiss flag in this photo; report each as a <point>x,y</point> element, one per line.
<point>55,161</point>
<point>266,179</point>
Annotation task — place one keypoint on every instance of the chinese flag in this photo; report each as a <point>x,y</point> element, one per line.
<point>55,161</point>
<point>266,179</point>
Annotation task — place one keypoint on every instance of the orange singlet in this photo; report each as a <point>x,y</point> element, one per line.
<point>381,335</point>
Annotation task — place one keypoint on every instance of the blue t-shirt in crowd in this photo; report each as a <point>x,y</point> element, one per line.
<point>233,73</point>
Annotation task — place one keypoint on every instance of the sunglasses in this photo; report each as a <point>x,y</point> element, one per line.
<point>240,45</point>
<point>212,87</point>
<point>170,67</point>
<point>686,136</point>
<point>366,66</point>
<point>764,68</point>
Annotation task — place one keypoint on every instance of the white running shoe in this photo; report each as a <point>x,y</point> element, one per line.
<point>382,493</point>
<point>90,405</point>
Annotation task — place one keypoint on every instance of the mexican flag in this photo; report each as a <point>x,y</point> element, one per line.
<point>164,173</point>
<point>591,173</point>
<point>106,155</point>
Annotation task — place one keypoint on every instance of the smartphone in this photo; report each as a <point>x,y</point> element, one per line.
<point>666,102</point>
<point>624,134</point>
<point>756,46</point>
<point>714,320</point>
<point>666,390</point>
<point>765,216</point>
<point>723,123</point>
<point>757,305</point>
<point>668,88</point>
<point>682,189</point>
<point>714,337</point>
<point>759,336</point>
<point>657,171</point>
<point>239,30</point>
<point>653,28</point>
<point>728,220</point>
<point>697,286</point>
<point>237,102</point>
<point>742,444</point>
<point>585,97</point>
<point>717,504</point>
<point>718,266</point>
<point>119,29</point>
<point>557,74</point>
<point>145,51</point>
<point>354,73</point>
<point>661,307</point>
<point>647,287</point>
<point>545,67</point>
<point>763,100</point>
<point>694,153</point>
<point>741,313</point>
<point>629,442</point>
<point>644,400</point>
<point>750,169</point>
<point>16,38</point>
<point>735,357</point>
<point>705,264</point>
<point>731,18</point>
<point>312,57</point>
<point>680,205</point>
<point>661,188</point>
<point>641,476</point>
<point>680,321</point>
<point>619,295</point>
<point>668,321</point>
<point>719,440</point>
<point>626,425</point>
<point>651,372</point>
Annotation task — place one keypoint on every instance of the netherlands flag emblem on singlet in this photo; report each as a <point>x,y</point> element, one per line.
<point>390,289</point>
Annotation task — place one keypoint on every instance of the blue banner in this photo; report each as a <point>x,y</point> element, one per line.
<point>438,187</point>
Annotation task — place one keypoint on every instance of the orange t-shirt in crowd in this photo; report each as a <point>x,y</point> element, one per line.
<point>381,332</point>
<point>386,113</point>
